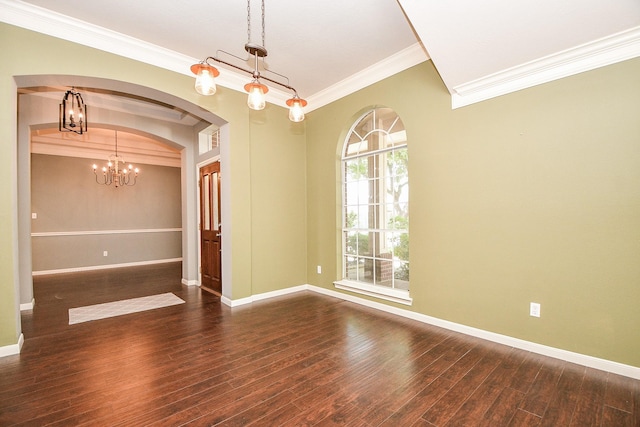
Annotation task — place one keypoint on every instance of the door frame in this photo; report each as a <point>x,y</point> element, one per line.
<point>199,221</point>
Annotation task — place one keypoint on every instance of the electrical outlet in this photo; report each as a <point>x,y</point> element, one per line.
<point>34,215</point>
<point>319,269</point>
<point>105,253</point>
<point>534,309</point>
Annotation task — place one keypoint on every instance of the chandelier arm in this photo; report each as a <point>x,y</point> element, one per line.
<point>230,64</point>
<point>205,73</point>
<point>281,75</point>
<point>250,72</point>
<point>286,86</point>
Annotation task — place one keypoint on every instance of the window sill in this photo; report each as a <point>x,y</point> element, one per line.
<point>394,295</point>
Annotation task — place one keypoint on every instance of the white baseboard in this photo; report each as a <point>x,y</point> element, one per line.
<point>266,295</point>
<point>13,349</point>
<point>105,267</point>
<point>187,282</point>
<point>28,305</point>
<point>556,353</point>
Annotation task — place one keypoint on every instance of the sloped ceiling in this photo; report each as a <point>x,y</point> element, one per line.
<point>486,48</point>
<point>330,48</point>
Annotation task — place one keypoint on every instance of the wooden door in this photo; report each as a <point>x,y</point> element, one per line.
<point>210,228</point>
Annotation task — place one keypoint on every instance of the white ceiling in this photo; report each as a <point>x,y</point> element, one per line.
<point>330,48</point>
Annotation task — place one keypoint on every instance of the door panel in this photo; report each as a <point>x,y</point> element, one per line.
<point>210,228</point>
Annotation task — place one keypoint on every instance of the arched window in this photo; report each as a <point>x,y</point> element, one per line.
<point>375,207</point>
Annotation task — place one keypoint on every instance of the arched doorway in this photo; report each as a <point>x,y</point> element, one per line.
<point>141,111</point>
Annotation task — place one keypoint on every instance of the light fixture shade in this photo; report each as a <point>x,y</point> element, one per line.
<point>73,113</point>
<point>256,99</point>
<point>296,114</point>
<point>205,78</point>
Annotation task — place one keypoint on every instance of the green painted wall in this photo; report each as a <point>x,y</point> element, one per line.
<point>9,318</point>
<point>261,150</point>
<point>532,196</point>
<point>278,202</point>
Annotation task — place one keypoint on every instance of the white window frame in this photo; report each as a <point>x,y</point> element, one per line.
<point>378,291</point>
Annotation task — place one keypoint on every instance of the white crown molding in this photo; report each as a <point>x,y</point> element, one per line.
<point>61,26</point>
<point>606,51</point>
<point>406,58</point>
<point>54,24</point>
<point>67,28</point>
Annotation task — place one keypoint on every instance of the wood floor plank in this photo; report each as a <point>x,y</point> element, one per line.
<point>527,373</point>
<point>474,408</point>
<point>298,359</point>
<point>539,396</point>
<point>564,398</point>
<point>524,419</point>
<point>503,409</point>
<point>590,404</point>
<point>636,403</point>
<point>441,359</point>
<point>453,400</point>
<point>619,392</point>
<point>412,411</point>
<point>259,411</point>
<point>616,418</point>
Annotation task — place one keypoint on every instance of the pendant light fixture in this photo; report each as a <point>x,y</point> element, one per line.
<point>116,174</point>
<point>73,113</point>
<point>206,74</point>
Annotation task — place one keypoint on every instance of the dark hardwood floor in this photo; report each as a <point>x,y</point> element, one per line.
<point>301,359</point>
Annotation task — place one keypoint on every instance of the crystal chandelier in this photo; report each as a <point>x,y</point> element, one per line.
<point>206,73</point>
<point>115,173</point>
<point>73,113</point>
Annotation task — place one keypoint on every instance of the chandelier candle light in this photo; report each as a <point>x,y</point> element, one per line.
<point>116,174</point>
<point>206,73</point>
<point>73,113</point>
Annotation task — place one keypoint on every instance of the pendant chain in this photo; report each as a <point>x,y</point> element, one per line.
<point>249,22</point>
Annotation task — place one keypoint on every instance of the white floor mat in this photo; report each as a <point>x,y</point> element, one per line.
<point>118,308</point>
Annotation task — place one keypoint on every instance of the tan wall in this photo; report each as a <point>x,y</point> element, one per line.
<point>532,196</point>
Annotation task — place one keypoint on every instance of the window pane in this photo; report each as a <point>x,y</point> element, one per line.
<point>356,169</point>
<point>400,245</point>
<point>384,270</point>
<point>363,244</point>
<point>401,275</point>
<point>351,268</point>
<point>367,270</point>
<point>351,243</point>
<point>206,203</point>
<point>398,216</point>
<point>214,201</point>
<point>376,201</point>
